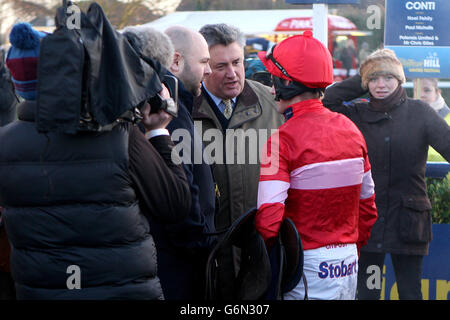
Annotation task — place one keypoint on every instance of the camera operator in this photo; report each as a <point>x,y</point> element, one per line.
<point>76,207</point>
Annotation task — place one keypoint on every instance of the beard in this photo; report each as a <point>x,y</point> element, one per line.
<point>191,82</point>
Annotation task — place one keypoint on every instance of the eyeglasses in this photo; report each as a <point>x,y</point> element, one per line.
<point>269,55</point>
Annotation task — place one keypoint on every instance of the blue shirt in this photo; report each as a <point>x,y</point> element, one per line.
<point>218,101</point>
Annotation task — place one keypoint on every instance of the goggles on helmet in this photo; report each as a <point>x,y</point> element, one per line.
<point>269,55</point>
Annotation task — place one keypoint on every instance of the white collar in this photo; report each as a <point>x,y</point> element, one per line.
<point>438,104</point>
<point>216,100</point>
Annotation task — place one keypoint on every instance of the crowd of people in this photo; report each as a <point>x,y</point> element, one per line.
<point>138,223</point>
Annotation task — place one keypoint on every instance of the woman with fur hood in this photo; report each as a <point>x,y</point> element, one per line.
<point>398,131</point>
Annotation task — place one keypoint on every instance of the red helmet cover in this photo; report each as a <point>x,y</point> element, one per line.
<point>304,58</point>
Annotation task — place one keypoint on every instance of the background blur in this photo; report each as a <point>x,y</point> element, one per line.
<point>121,13</point>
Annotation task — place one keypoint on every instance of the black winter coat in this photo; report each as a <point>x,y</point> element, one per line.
<point>397,141</point>
<point>70,200</point>
<point>183,248</point>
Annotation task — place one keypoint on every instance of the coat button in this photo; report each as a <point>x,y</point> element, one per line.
<point>379,245</point>
<point>381,219</point>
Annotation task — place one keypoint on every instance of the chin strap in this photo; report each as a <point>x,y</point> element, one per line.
<point>288,91</point>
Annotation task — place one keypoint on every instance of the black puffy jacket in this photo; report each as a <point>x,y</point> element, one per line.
<point>69,201</point>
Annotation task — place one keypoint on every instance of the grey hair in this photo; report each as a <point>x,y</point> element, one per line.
<point>152,43</point>
<point>223,34</point>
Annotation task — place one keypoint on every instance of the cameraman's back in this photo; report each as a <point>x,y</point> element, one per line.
<point>76,207</point>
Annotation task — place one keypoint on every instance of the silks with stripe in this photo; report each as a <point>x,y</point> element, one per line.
<point>323,181</point>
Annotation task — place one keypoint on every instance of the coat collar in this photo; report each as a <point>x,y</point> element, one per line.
<point>247,107</point>
<point>443,112</point>
<point>306,106</point>
<point>185,96</point>
<point>371,115</point>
